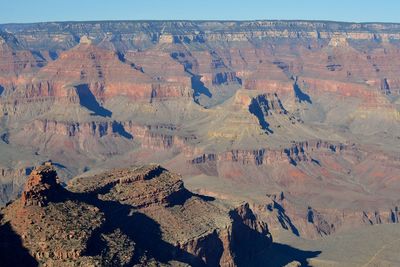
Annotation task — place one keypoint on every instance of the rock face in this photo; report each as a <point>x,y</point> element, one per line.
<point>131,216</point>
<point>42,187</point>
<point>310,109</point>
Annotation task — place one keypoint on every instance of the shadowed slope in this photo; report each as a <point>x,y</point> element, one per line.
<point>285,254</point>
<point>12,252</point>
<point>300,95</point>
<point>88,100</point>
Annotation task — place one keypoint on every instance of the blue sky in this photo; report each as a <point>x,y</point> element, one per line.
<point>78,10</point>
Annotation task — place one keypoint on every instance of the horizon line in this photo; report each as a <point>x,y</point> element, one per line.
<point>195,20</point>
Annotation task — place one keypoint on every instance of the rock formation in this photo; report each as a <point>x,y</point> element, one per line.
<point>131,216</point>
<point>42,187</point>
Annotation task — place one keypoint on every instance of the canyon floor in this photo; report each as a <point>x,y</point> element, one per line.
<point>368,246</point>
<point>372,245</point>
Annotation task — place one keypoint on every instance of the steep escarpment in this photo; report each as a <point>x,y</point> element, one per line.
<point>130,216</point>
<point>293,154</point>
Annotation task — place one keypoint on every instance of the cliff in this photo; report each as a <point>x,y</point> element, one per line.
<point>131,216</point>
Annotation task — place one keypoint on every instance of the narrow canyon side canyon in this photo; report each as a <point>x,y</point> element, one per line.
<point>276,127</point>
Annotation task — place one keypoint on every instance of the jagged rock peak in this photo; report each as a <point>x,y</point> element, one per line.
<point>42,186</point>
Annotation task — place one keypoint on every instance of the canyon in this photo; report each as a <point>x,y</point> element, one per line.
<point>298,119</point>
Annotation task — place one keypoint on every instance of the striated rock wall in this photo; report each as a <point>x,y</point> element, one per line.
<point>150,136</point>
<point>299,151</point>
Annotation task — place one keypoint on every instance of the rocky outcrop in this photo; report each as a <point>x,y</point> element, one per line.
<point>246,229</point>
<point>269,103</point>
<point>118,217</point>
<point>42,187</point>
<point>265,105</point>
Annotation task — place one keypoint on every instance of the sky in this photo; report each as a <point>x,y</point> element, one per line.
<point>22,11</point>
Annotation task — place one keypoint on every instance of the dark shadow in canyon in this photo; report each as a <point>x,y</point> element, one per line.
<point>40,60</point>
<point>300,95</point>
<point>121,57</point>
<point>118,128</point>
<point>249,245</point>
<point>315,161</point>
<point>12,252</point>
<point>138,227</point>
<point>28,170</point>
<point>291,160</point>
<point>256,110</point>
<point>204,197</point>
<point>199,88</point>
<point>58,165</point>
<point>284,220</point>
<point>266,254</point>
<point>282,254</point>
<point>5,137</point>
<point>53,55</point>
<point>89,101</point>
